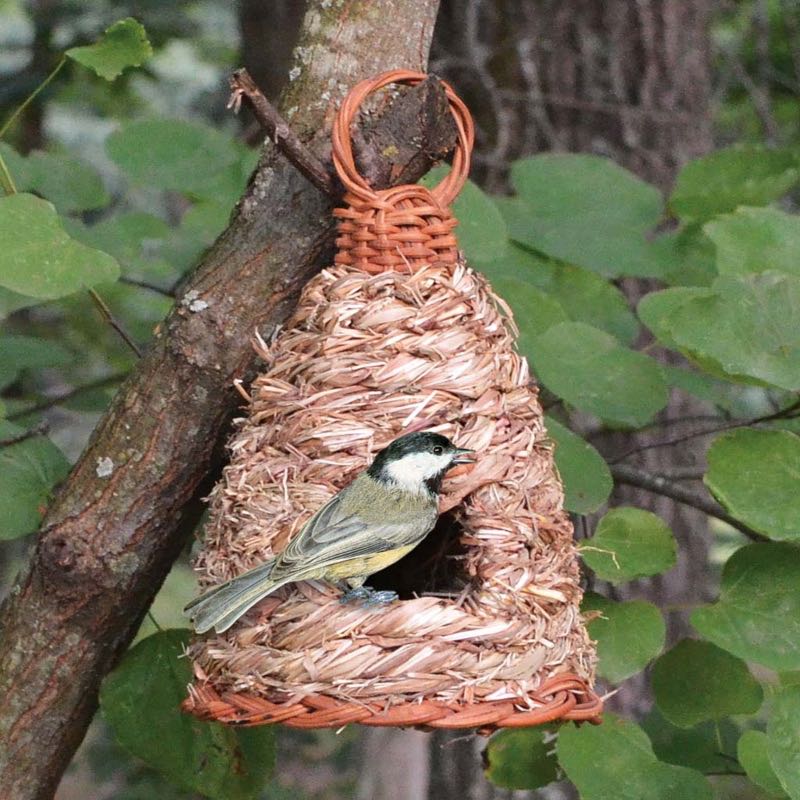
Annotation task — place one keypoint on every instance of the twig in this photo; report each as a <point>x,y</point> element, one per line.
<point>684,474</point>
<point>244,87</point>
<point>147,285</point>
<point>787,413</point>
<point>6,181</point>
<point>112,321</point>
<point>656,484</point>
<point>37,430</point>
<point>57,400</point>
<point>31,97</point>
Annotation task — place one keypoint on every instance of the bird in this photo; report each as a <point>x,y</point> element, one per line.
<point>385,512</point>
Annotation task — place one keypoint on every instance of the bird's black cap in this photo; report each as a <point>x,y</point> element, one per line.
<point>419,442</point>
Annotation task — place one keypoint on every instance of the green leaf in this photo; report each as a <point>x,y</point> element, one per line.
<point>172,154</point>
<point>783,740</point>
<point>593,372</point>
<point>755,474</point>
<point>688,256</point>
<point>697,747</point>
<point>721,394</point>
<point>28,471</point>
<point>481,230</point>
<point>738,176</point>
<point>756,240</point>
<point>39,259</point>
<point>696,681</point>
<point>629,635</point>
<point>757,616</point>
<point>748,325</point>
<point>123,45</point>
<point>752,752</point>
<point>18,353</point>
<point>615,761</point>
<point>587,211</point>
<point>68,183</point>
<point>534,311</point>
<point>141,700</point>
<point>522,759</point>
<point>584,473</point>
<point>655,310</point>
<point>584,296</point>
<point>629,543</point>
<point>138,241</point>
<point>12,301</point>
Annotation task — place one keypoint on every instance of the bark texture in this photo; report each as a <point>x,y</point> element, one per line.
<point>626,80</point>
<point>108,541</point>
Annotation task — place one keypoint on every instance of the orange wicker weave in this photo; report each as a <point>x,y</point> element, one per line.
<point>398,335</point>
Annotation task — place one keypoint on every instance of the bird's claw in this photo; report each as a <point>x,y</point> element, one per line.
<point>369,597</point>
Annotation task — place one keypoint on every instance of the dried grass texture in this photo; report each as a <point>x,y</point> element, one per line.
<point>364,359</point>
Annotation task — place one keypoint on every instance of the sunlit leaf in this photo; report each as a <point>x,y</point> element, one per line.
<point>629,635</point>
<point>39,259</point>
<point>757,616</point>
<point>755,475</point>
<point>593,372</point>
<point>587,211</point>
<point>123,45</point>
<point>629,543</point>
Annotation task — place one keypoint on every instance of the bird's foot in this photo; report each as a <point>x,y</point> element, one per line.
<point>381,598</point>
<point>369,597</point>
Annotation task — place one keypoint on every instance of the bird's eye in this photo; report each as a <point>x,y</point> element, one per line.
<point>438,450</point>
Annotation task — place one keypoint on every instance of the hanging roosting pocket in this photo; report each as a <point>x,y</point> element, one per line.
<point>399,335</point>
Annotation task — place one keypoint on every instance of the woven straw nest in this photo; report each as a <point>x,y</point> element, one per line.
<point>489,633</point>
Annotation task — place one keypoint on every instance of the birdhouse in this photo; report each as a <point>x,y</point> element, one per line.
<point>398,335</point>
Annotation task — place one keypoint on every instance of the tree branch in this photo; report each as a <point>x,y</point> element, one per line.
<point>58,399</point>
<point>244,87</point>
<point>790,412</point>
<point>107,542</point>
<point>633,476</point>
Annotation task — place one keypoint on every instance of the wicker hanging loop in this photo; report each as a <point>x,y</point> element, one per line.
<point>407,227</point>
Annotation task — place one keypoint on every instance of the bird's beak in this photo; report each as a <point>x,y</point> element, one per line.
<point>464,456</point>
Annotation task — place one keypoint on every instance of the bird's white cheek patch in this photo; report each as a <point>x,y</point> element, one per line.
<point>413,470</point>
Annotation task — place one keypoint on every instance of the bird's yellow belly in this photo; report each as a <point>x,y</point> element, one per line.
<point>365,565</point>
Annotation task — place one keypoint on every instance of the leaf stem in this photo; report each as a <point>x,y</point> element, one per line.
<point>61,398</point>
<point>113,322</point>
<point>656,484</point>
<point>6,181</point>
<point>32,96</point>
<point>37,430</point>
<point>147,285</point>
<point>154,621</point>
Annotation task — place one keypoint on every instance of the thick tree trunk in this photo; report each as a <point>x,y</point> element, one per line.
<point>108,541</point>
<point>626,80</point>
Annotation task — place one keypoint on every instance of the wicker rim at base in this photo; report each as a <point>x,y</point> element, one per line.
<point>563,697</point>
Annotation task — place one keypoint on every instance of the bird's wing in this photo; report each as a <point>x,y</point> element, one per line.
<point>333,535</point>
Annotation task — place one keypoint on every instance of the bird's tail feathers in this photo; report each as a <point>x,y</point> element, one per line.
<point>221,606</point>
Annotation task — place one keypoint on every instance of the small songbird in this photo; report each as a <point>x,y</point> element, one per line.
<point>371,523</point>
